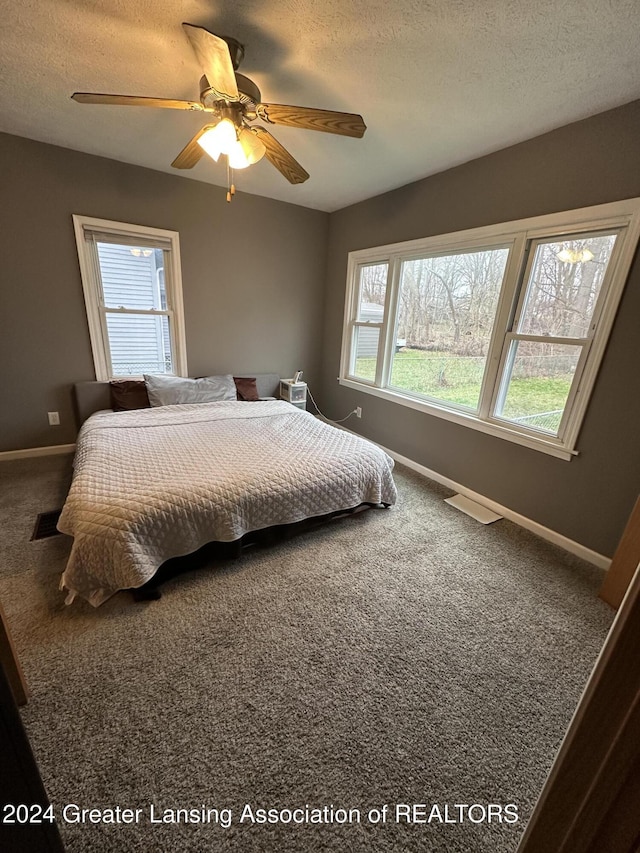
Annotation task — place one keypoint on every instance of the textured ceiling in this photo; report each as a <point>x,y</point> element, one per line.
<point>438,82</point>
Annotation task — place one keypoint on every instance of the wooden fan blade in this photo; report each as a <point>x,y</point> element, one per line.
<point>307,118</point>
<point>192,152</point>
<point>135,101</point>
<point>279,157</point>
<point>212,53</point>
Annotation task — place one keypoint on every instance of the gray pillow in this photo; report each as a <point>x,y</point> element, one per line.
<point>168,390</point>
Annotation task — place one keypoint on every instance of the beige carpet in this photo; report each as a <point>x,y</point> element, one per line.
<point>409,656</point>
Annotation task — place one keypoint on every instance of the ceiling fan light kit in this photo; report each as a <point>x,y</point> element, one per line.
<point>219,139</point>
<point>233,102</point>
<point>254,150</point>
<point>575,256</point>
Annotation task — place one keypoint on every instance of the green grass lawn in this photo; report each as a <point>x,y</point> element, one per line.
<point>456,379</point>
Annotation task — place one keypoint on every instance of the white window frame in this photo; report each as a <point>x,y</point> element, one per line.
<point>92,288</point>
<point>622,216</point>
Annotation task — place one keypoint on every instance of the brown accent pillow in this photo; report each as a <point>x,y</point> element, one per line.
<point>246,388</point>
<point>128,394</point>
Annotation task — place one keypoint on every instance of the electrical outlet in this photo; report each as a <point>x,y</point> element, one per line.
<point>54,418</point>
<point>358,412</point>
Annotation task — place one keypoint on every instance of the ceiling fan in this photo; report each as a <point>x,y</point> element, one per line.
<point>233,102</point>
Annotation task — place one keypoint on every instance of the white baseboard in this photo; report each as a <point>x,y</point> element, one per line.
<point>27,453</point>
<point>540,530</point>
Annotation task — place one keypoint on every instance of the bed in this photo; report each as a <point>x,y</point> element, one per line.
<point>156,483</point>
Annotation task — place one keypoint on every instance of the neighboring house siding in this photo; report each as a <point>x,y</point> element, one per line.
<point>138,343</point>
<point>368,338</point>
<point>127,280</point>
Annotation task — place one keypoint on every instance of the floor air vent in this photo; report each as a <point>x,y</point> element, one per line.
<point>46,525</point>
<point>473,508</point>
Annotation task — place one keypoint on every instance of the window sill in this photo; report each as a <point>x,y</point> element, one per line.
<point>549,446</point>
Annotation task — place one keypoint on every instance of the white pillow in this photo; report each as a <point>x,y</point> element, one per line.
<point>168,390</point>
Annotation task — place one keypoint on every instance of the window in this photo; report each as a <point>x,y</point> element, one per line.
<point>133,295</point>
<point>372,286</point>
<point>499,328</point>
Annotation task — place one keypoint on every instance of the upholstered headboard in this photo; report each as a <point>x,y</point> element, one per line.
<point>93,396</point>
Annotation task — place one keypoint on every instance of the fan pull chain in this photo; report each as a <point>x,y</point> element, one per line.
<point>231,191</point>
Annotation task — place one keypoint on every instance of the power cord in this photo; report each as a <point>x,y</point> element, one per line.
<point>324,416</point>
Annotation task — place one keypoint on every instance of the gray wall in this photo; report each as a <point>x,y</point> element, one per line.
<point>586,163</point>
<point>253,278</point>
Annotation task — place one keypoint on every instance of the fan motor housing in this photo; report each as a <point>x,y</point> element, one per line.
<point>248,89</point>
<point>236,51</point>
<point>249,94</point>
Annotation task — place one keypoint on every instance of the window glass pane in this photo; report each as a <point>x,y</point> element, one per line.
<point>365,350</point>
<point>564,285</point>
<point>132,276</point>
<point>537,384</point>
<point>139,344</point>
<point>372,291</point>
<point>446,310</point>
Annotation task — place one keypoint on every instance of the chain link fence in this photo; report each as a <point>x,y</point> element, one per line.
<point>537,391</point>
<point>137,368</point>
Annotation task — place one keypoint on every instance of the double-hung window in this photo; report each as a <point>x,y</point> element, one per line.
<point>500,328</point>
<point>133,295</point>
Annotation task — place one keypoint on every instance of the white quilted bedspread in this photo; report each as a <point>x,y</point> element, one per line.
<point>161,482</point>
